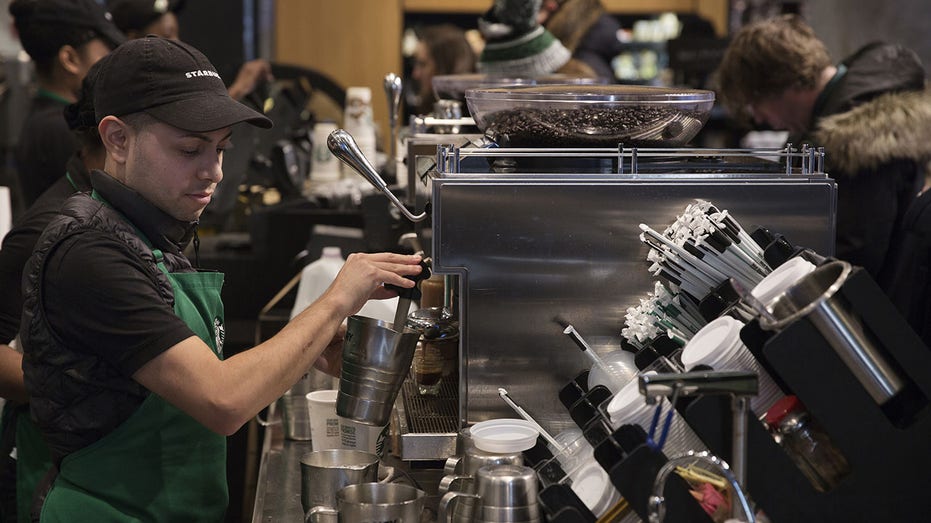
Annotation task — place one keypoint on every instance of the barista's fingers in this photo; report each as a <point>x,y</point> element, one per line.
<point>394,273</point>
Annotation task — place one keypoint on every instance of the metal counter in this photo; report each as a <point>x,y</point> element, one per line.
<point>278,486</point>
<point>278,490</point>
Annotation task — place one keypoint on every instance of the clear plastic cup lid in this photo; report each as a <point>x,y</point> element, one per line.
<point>714,343</point>
<point>504,435</point>
<point>783,277</point>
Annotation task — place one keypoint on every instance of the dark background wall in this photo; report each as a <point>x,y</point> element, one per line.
<point>216,28</point>
<point>845,26</point>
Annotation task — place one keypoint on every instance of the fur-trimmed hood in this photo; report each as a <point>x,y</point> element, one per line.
<point>893,126</point>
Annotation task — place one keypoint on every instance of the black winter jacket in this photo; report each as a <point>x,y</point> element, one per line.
<point>874,124</point>
<point>873,121</point>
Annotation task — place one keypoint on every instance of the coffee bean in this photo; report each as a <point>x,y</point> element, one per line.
<point>635,126</point>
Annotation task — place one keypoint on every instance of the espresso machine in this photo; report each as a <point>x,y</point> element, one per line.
<point>534,234</point>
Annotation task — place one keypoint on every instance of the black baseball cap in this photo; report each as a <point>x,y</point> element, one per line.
<point>135,15</point>
<point>171,81</point>
<point>86,14</point>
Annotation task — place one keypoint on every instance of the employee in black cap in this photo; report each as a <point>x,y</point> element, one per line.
<point>64,38</point>
<point>130,389</point>
<point>138,18</point>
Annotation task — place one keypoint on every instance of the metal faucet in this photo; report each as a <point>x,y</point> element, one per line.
<point>656,507</point>
<point>740,385</point>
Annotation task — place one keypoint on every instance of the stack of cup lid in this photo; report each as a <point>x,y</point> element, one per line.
<point>718,345</point>
<point>628,406</point>
<point>593,486</point>
<point>783,277</point>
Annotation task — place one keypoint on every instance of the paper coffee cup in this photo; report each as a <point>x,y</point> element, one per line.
<point>359,436</point>
<point>324,423</point>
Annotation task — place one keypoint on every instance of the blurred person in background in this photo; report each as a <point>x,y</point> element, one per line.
<point>587,31</point>
<point>138,18</point>
<point>871,113</point>
<point>20,475</point>
<point>64,38</point>
<point>441,50</point>
<point>517,45</point>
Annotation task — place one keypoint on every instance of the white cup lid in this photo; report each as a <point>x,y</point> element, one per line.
<point>713,343</point>
<point>783,277</point>
<point>627,402</point>
<point>593,486</point>
<point>505,435</point>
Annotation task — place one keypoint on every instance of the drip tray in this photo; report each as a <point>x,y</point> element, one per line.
<point>428,424</point>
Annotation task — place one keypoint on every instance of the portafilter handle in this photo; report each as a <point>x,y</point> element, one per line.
<point>344,147</point>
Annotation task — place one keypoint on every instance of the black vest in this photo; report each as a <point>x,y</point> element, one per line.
<point>73,395</point>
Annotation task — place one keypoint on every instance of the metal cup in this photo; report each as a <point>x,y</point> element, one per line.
<point>295,415</point>
<point>376,359</point>
<point>325,472</point>
<point>816,298</point>
<point>473,459</point>
<point>374,503</point>
<point>503,493</point>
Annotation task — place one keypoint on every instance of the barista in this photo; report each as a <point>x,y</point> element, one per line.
<point>132,388</point>
<point>64,38</point>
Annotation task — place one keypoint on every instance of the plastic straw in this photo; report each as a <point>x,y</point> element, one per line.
<point>522,413</point>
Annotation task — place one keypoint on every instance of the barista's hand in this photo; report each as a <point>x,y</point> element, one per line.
<point>331,360</point>
<point>251,75</point>
<point>363,277</point>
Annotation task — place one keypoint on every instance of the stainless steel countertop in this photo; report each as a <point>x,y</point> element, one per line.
<point>278,487</point>
<point>278,490</point>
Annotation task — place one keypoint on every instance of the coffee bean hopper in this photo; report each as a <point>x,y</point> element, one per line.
<point>590,115</point>
<point>560,236</point>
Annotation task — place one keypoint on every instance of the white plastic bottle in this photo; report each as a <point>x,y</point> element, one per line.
<point>316,277</point>
<point>358,121</point>
<point>324,167</point>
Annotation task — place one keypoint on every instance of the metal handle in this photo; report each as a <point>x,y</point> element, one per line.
<point>451,466</point>
<point>451,482</point>
<point>393,92</point>
<point>344,147</point>
<point>656,504</point>
<point>321,514</point>
<point>270,411</point>
<point>446,516</point>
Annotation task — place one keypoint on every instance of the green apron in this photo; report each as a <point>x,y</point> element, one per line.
<point>33,461</point>
<point>160,464</point>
